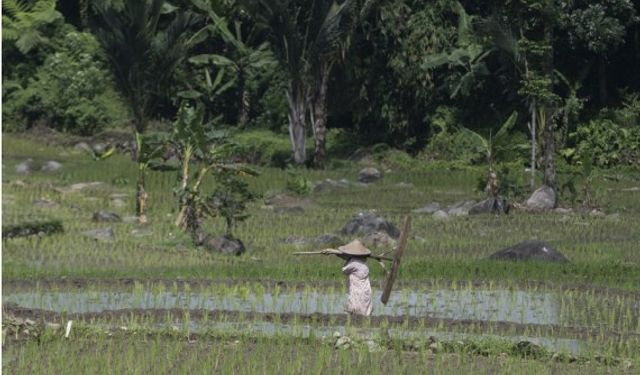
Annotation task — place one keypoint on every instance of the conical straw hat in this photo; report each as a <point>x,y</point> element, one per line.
<point>355,248</point>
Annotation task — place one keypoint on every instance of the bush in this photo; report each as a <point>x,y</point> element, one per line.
<point>71,90</point>
<point>606,142</point>
<point>263,147</point>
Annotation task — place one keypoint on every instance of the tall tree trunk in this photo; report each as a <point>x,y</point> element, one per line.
<point>297,115</point>
<point>319,120</point>
<point>548,138</point>
<point>602,80</point>
<point>532,129</point>
<point>245,103</point>
<point>141,197</point>
<point>141,194</point>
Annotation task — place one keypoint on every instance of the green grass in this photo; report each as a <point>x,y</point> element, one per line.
<point>603,250</point>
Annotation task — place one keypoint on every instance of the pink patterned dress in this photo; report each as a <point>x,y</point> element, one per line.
<point>359,301</point>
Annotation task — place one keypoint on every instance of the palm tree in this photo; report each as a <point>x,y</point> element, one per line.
<point>23,21</point>
<point>308,37</point>
<point>144,53</point>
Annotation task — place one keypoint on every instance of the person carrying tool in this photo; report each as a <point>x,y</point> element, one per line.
<point>359,286</point>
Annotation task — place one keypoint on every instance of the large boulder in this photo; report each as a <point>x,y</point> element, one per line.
<point>530,250</point>
<point>224,244</point>
<point>542,199</point>
<point>106,216</point>
<point>378,239</point>
<point>367,222</point>
<point>491,205</point>
<point>368,175</point>
<point>461,208</point>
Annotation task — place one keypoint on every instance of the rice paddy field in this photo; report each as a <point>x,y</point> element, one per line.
<point>147,301</point>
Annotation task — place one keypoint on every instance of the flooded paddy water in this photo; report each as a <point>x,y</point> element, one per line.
<point>545,310</point>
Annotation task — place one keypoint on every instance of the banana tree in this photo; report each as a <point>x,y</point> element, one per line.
<point>200,145</point>
<point>244,61</point>
<point>493,147</point>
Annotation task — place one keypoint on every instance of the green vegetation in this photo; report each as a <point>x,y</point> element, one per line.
<point>226,125</point>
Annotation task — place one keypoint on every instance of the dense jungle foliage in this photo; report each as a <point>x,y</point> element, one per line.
<point>332,76</point>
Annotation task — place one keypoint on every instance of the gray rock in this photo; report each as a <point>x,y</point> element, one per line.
<point>343,342</point>
<point>24,167</point>
<point>563,211</point>
<point>492,205</point>
<point>542,199</point>
<point>440,215</point>
<point>367,222</point>
<point>328,239</point>
<point>140,233</point>
<point>428,209</point>
<point>46,203</point>
<point>378,239</point>
<point>530,250</point>
<point>283,203</point>
<point>596,213</point>
<point>224,245</point>
<point>404,185</point>
<point>297,240</point>
<point>82,146</point>
<point>368,175</point>
<point>51,166</point>
<point>99,148</point>
<point>104,216</point>
<point>130,219</point>
<point>329,184</point>
<point>461,208</point>
<point>78,187</point>
<point>99,234</point>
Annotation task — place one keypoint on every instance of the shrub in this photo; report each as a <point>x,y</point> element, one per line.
<point>263,147</point>
<point>70,91</point>
<point>606,142</point>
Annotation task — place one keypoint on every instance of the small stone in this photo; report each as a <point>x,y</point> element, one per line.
<point>368,175</point>
<point>429,209</point>
<point>563,211</point>
<point>51,166</point>
<point>327,239</point>
<point>404,185</point>
<point>296,240</point>
<point>99,234</point>
<point>104,216</point>
<point>440,215</point>
<point>461,208</point>
<point>343,343</point>
<point>24,167</point>
<point>596,213</point>
<point>47,203</point>
<point>82,146</point>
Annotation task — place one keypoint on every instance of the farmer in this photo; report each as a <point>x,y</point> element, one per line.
<point>355,254</point>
